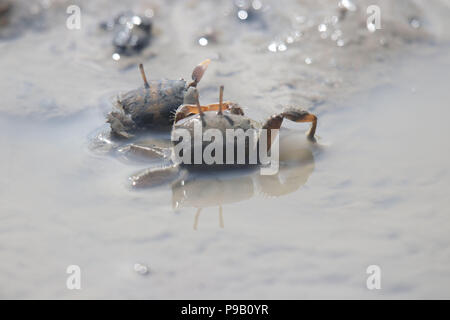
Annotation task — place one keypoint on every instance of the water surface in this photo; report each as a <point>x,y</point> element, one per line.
<point>373,192</point>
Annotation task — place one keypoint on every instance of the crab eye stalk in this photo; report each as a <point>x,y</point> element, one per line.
<point>220,100</point>
<point>144,78</point>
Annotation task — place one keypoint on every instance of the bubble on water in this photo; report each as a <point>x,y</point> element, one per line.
<point>308,60</point>
<point>256,4</point>
<point>336,35</point>
<point>300,19</point>
<point>415,22</point>
<point>334,20</point>
<point>203,41</point>
<point>371,27</point>
<point>347,5</point>
<point>322,27</point>
<point>241,3</point>
<point>136,20</point>
<point>282,47</point>
<point>277,46</point>
<point>116,56</point>
<point>340,43</point>
<point>149,13</point>
<point>289,39</point>
<point>298,34</point>
<point>272,47</point>
<point>141,269</point>
<point>242,14</point>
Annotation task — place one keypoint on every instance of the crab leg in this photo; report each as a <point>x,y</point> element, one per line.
<point>300,115</point>
<point>144,151</point>
<point>293,114</point>
<point>199,110</point>
<point>190,109</point>
<point>144,78</point>
<point>193,109</point>
<point>197,215</point>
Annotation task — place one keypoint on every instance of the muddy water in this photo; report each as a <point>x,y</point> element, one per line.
<point>372,192</point>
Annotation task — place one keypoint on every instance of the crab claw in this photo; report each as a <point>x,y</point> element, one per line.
<point>144,77</point>
<point>301,115</point>
<point>295,114</point>
<point>198,72</point>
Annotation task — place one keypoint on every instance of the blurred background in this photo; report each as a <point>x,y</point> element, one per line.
<point>374,191</point>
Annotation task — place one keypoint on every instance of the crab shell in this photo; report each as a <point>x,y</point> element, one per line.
<point>211,120</point>
<point>154,107</point>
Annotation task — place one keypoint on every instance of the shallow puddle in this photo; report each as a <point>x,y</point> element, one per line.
<point>373,192</point>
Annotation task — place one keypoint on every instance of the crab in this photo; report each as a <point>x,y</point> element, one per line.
<point>152,107</point>
<point>221,116</point>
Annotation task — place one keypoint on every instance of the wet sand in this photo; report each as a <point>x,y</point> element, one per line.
<point>373,192</point>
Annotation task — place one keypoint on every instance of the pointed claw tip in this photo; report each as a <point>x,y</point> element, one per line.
<point>198,72</point>
<point>205,63</point>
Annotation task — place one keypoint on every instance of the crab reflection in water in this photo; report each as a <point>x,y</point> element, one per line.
<point>204,190</point>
